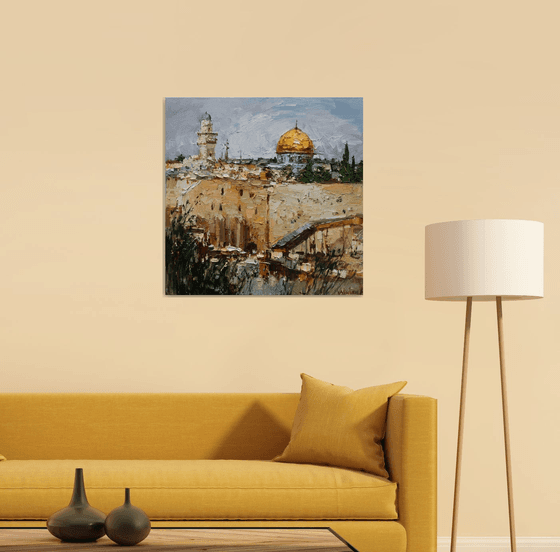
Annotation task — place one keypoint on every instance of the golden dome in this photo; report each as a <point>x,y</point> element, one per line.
<point>295,141</point>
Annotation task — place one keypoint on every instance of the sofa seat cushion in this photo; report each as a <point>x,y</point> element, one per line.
<point>198,489</point>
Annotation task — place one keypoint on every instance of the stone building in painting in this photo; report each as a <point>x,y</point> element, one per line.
<point>207,139</point>
<point>294,148</point>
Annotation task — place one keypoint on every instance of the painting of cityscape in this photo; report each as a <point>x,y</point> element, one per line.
<point>263,196</point>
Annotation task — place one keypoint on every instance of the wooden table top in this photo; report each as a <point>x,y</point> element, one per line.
<point>192,540</point>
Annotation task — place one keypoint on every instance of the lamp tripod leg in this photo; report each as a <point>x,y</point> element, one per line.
<point>506,424</point>
<point>461,423</point>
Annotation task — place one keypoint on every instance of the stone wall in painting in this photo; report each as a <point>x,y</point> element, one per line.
<point>257,212</point>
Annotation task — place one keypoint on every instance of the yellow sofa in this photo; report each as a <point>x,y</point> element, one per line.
<point>201,459</point>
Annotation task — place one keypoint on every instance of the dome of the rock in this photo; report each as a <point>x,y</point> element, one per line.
<point>295,141</point>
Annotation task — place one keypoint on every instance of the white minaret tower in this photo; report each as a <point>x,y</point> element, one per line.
<point>207,139</point>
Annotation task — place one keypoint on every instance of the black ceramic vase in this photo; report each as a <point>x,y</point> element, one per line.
<point>78,522</point>
<point>127,524</point>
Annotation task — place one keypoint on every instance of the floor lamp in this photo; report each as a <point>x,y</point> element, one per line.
<point>484,260</point>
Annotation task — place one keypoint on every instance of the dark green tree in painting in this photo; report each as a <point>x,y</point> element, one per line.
<point>345,167</point>
<point>309,174</point>
<point>322,175</point>
<point>350,172</point>
<point>306,175</point>
<point>190,267</point>
<point>346,154</point>
<point>360,171</point>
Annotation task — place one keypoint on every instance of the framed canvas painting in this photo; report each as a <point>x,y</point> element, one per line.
<point>263,196</point>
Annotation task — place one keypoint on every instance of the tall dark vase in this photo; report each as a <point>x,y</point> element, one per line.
<point>127,525</point>
<point>78,522</point>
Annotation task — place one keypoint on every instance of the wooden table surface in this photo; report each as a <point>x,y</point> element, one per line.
<point>191,540</point>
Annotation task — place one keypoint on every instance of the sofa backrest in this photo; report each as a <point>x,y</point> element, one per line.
<point>128,426</point>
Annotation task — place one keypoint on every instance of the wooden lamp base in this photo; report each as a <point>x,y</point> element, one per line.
<point>462,419</point>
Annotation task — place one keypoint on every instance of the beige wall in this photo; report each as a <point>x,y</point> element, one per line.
<point>462,120</point>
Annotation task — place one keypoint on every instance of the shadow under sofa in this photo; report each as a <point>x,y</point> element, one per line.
<point>204,460</point>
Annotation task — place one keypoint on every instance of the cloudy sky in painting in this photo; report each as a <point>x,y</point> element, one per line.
<point>254,125</point>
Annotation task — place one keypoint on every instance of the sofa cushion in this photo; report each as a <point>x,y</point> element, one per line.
<point>198,489</point>
<point>338,426</point>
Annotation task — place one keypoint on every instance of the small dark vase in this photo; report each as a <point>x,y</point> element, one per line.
<point>78,522</point>
<point>127,525</point>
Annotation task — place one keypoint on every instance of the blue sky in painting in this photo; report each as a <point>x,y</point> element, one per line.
<point>254,125</point>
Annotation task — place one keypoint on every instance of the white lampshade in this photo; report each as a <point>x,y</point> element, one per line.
<point>484,259</point>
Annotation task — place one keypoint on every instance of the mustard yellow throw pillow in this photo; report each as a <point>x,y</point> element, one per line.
<point>2,458</point>
<point>341,427</point>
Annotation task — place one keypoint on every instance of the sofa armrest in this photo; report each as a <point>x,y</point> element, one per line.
<point>411,457</point>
